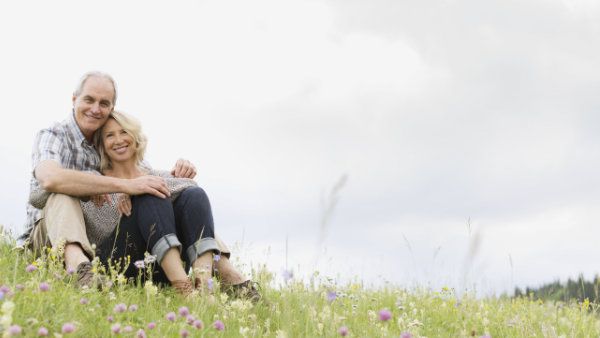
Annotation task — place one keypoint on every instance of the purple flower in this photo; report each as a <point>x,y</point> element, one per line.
<point>170,316</point>
<point>184,311</point>
<point>68,328</point>
<point>486,336</point>
<point>31,268</point>
<point>14,330</point>
<point>343,331</point>
<point>42,332</point>
<point>139,264</point>
<point>1,295</point>
<point>151,325</point>
<point>44,286</point>
<point>217,258</point>
<point>184,333</point>
<point>116,328</point>
<point>20,287</point>
<point>406,335</point>
<point>287,275</point>
<point>198,324</point>
<point>210,284</point>
<point>385,315</point>
<point>128,329</point>
<point>70,271</point>
<point>84,301</point>
<point>218,325</point>
<point>331,296</point>
<point>120,308</point>
<point>140,333</point>
<point>133,308</point>
<point>4,289</point>
<point>110,319</point>
<point>190,319</point>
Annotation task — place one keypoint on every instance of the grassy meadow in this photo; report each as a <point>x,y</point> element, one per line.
<point>38,298</point>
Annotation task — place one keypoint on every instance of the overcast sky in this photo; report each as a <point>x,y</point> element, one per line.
<point>462,135</point>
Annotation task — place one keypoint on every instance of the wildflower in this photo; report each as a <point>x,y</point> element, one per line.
<point>20,287</point>
<point>151,289</point>
<point>139,264</point>
<point>190,319</point>
<point>331,296</point>
<point>70,271</point>
<point>1,295</point>
<point>287,275</point>
<point>149,259</point>
<point>128,329</point>
<point>170,316</point>
<point>184,333</point>
<point>385,315</point>
<point>210,284</point>
<point>83,301</point>
<point>68,328</point>
<point>343,331</point>
<point>184,311</point>
<point>116,328</point>
<point>140,333</point>
<point>31,268</point>
<point>198,324</point>
<point>119,308</point>
<point>151,325</point>
<point>44,286</point>
<point>217,257</point>
<point>14,330</point>
<point>406,335</point>
<point>4,289</point>
<point>110,319</point>
<point>218,325</point>
<point>133,308</point>
<point>486,336</point>
<point>42,332</point>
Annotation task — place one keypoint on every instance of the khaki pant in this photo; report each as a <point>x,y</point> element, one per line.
<point>62,222</point>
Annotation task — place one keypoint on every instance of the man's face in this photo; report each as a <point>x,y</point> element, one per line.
<point>93,105</point>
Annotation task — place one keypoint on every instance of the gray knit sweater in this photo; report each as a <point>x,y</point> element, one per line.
<point>100,222</point>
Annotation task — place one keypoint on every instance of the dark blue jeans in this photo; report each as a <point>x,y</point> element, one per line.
<point>156,225</point>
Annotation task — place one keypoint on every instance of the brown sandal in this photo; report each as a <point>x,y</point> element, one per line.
<point>183,287</point>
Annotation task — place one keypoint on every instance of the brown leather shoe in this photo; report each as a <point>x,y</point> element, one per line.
<point>183,286</point>
<point>248,290</point>
<point>87,278</point>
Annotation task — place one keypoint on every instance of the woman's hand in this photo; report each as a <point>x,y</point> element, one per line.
<point>124,204</point>
<point>99,200</point>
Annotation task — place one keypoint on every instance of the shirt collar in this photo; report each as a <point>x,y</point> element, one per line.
<point>76,131</point>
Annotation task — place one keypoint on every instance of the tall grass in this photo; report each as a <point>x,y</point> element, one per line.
<point>317,308</point>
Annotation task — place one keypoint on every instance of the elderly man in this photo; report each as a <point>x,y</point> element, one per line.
<point>61,156</point>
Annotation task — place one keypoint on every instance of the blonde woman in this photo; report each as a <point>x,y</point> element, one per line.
<point>178,231</point>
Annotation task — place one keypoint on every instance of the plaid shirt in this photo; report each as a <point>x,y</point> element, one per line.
<point>64,143</point>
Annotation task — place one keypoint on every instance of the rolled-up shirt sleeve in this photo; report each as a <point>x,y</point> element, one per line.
<point>48,145</point>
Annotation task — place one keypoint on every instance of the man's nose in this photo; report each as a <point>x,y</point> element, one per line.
<point>95,107</point>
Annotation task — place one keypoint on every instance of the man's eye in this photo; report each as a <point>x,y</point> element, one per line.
<point>105,104</point>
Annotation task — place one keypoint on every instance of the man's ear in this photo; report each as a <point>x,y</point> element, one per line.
<point>74,98</point>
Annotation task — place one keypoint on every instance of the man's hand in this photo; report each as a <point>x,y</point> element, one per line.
<point>99,200</point>
<point>148,184</point>
<point>124,204</point>
<point>184,169</point>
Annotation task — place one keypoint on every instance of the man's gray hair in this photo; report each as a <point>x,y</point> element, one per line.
<point>87,75</point>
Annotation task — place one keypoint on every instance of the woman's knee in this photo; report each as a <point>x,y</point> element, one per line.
<point>194,195</point>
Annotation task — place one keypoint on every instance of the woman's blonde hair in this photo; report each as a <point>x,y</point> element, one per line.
<point>133,127</point>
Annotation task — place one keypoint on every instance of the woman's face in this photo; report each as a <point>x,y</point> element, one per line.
<point>118,144</point>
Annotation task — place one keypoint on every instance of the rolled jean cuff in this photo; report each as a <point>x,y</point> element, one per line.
<point>163,245</point>
<point>201,246</point>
